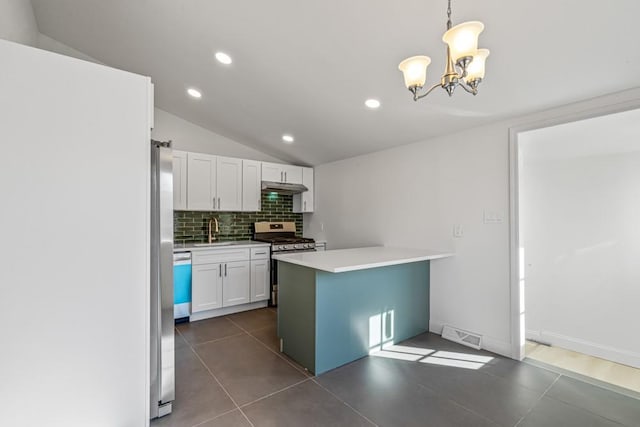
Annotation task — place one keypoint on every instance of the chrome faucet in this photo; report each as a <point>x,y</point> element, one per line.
<point>216,230</point>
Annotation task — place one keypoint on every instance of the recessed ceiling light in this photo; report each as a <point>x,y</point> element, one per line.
<point>287,138</point>
<point>372,103</point>
<point>223,58</point>
<point>194,93</point>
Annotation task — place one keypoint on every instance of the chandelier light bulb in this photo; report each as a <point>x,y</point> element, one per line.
<point>414,70</point>
<point>463,39</point>
<point>475,70</point>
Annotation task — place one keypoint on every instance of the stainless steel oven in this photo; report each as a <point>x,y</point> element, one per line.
<point>283,239</point>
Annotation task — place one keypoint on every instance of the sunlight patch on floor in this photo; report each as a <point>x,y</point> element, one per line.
<point>583,364</point>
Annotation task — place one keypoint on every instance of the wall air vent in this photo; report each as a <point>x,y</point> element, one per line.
<point>467,338</point>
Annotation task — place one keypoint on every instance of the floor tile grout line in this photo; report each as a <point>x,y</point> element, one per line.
<point>216,417</point>
<point>537,401</point>
<point>271,350</point>
<point>244,405</point>
<point>313,379</point>
<point>221,386</point>
<point>460,405</point>
<point>214,377</point>
<point>219,339</point>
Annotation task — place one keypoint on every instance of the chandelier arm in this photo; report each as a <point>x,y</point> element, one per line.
<point>464,86</point>
<point>416,96</point>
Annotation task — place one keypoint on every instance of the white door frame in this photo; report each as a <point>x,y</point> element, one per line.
<point>581,111</point>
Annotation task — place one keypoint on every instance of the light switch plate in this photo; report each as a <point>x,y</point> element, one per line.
<point>458,231</point>
<point>493,217</point>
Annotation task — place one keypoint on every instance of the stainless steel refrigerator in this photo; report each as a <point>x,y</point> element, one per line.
<point>162,334</point>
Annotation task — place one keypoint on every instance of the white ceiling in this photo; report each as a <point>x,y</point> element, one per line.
<point>306,67</point>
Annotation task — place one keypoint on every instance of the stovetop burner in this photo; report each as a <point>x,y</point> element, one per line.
<point>282,236</point>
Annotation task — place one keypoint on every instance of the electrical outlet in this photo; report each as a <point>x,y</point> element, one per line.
<point>458,230</point>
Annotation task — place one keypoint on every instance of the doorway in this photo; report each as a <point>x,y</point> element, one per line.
<point>576,244</point>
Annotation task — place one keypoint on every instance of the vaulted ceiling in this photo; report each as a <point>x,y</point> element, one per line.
<point>306,67</point>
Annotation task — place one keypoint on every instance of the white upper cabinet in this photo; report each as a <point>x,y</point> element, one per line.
<point>251,185</point>
<point>277,172</point>
<point>272,172</point>
<point>292,174</point>
<point>303,202</point>
<point>201,182</point>
<point>179,180</point>
<point>229,184</point>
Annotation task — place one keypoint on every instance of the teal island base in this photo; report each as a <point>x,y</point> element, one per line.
<point>326,320</point>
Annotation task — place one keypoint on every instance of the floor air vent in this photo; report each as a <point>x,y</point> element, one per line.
<point>462,337</point>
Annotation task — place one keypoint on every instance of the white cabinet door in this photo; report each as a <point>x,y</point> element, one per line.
<point>201,182</point>
<point>179,180</point>
<point>236,283</point>
<point>259,280</point>
<point>229,184</point>
<point>303,202</point>
<point>292,174</point>
<point>251,177</point>
<point>272,172</point>
<point>206,287</point>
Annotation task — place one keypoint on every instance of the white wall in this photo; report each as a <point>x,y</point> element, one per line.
<point>581,239</point>
<point>18,22</point>
<point>413,195</point>
<point>74,281</point>
<point>187,136</point>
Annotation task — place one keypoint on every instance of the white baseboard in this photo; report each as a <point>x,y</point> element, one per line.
<point>613,354</point>
<point>488,343</point>
<point>201,315</point>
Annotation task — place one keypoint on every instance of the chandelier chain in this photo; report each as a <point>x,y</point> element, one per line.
<point>449,15</point>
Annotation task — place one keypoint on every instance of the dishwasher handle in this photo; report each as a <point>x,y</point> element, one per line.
<point>181,257</point>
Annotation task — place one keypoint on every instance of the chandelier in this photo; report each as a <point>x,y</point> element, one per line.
<point>465,62</point>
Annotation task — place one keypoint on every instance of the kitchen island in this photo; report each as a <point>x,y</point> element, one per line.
<point>337,306</point>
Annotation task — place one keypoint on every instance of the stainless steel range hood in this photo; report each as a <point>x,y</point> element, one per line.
<point>282,188</point>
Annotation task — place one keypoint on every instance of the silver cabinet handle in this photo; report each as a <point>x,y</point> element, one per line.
<point>259,204</point>
<point>218,203</point>
<point>220,273</point>
<point>285,177</point>
<point>261,253</point>
<point>214,203</point>
<point>305,205</point>
<point>225,270</point>
<point>281,176</point>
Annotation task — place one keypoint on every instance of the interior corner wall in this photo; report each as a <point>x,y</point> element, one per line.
<point>18,22</point>
<point>187,136</point>
<point>581,241</point>
<point>413,195</point>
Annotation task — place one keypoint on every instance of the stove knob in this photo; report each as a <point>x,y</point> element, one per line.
<point>281,247</point>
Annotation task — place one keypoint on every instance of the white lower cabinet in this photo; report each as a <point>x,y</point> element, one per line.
<point>206,287</point>
<point>259,280</point>
<point>235,283</point>
<point>228,277</point>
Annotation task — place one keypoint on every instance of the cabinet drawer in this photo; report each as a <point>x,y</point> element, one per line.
<point>220,255</point>
<point>260,253</point>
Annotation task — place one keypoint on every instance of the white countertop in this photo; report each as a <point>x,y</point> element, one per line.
<point>193,247</point>
<point>341,260</point>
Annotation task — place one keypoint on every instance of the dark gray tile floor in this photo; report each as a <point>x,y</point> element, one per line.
<point>229,372</point>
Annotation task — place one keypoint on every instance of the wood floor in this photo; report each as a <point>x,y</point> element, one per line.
<point>589,366</point>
